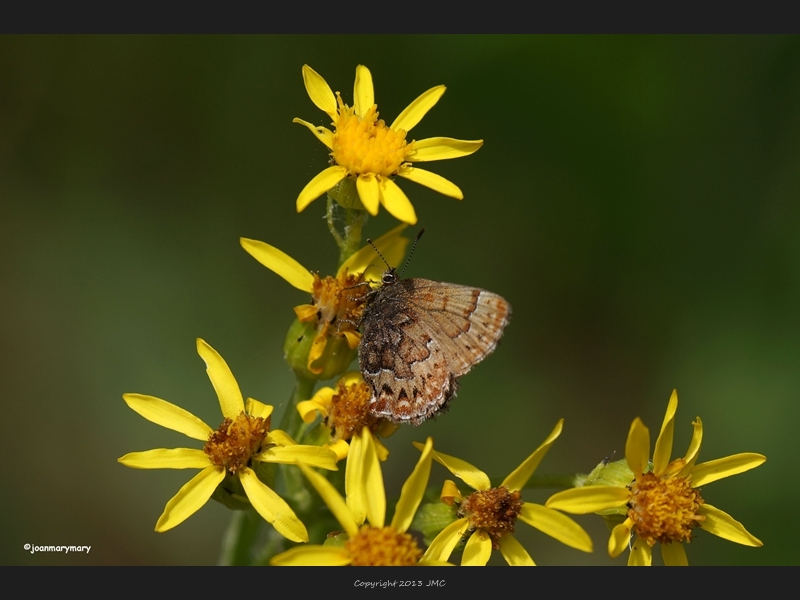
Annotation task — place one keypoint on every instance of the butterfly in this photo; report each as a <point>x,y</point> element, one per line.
<point>419,336</point>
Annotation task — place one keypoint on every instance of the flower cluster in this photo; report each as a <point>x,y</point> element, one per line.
<point>280,474</point>
<point>365,149</point>
<point>661,499</point>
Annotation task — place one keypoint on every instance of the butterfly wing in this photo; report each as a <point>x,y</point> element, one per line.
<point>419,337</point>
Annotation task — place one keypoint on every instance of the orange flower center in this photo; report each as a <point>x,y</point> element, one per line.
<point>236,440</point>
<point>495,511</point>
<point>383,546</point>
<point>365,144</point>
<point>336,301</point>
<point>664,509</point>
<point>349,411</point>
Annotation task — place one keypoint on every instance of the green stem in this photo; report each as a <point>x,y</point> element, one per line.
<point>354,222</point>
<point>344,197</point>
<point>330,219</point>
<point>291,422</point>
<point>239,538</point>
<point>563,481</point>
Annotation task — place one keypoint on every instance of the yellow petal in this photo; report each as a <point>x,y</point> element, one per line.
<point>418,108</point>
<point>725,526</point>
<point>443,544</point>
<point>589,499</point>
<point>332,499</point>
<point>319,403</point>
<point>373,482</point>
<point>317,349</point>
<point>340,448</point>
<point>641,554</point>
<point>396,202</point>
<point>477,551</point>
<point>450,492</point>
<point>168,415</point>
<point>369,192</point>
<point>258,409</point>
<point>321,183</point>
<point>323,134</point>
<point>309,409</point>
<point>442,148</point>
<point>663,449</point>
<point>308,556</point>
<point>721,468</point>
<point>387,429</point>
<point>391,245</point>
<point>519,477</point>
<point>674,555</point>
<point>353,338</point>
<point>228,392</point>
<point>431,180</point>
<point>350,378</point>
<point>413,489</point>
<point>354,480</point>
<point>280,437</point>
<point>320,92</point>
<point>637,446</point>
<point>163,458</point>
<point>381,450</point>
<point>306,313</point>
<point>313,456</point>
<point>514,553</point>
<point>190,498</point>
<point>280,263</point>
<point>474,478</point>
<point>272,507</point>
<point>690,458</point>
<point>556,525</point>
<point>620,538</point>
<point>363,91</point>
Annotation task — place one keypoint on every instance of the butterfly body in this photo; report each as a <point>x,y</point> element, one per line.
<point>420,336</point>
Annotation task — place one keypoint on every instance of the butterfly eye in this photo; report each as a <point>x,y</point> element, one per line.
<point>388,278</point>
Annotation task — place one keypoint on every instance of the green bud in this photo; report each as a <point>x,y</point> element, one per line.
<point>231,494</point>
<point>335,359</point>
<point>345,194</point>
<point>615,474</point>
<point>432,518</point>
<point>336,541</point>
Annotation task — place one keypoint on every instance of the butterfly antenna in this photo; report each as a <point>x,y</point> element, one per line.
<point>378,252</point>
<point>410,254</point>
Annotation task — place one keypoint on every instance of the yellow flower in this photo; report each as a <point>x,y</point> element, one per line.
<point>337,302</point>
<point>488,515</point>
<point>373,544</point>
<point>364,148</point>
<point>243,437</point>
<point>663,502</point>
<point>345,411</point>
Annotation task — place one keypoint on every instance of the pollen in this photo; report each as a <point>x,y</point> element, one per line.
<point>337,301</point>
<point>495,511</point>
<point>349,411</point>
<point>236,440</point>
<point>664,509</point>
<point>383,547</point>
<point>365,145</point>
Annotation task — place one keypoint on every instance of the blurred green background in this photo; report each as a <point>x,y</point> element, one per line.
<point>636,201</point>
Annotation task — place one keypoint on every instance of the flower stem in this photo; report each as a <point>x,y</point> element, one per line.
<point>563,481</point>
<point>354,221</point>
<point>291,422</point>
<point>344,197</point>
<point>238,539</point>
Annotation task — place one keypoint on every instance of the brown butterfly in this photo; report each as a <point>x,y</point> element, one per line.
<point>419,337</point>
